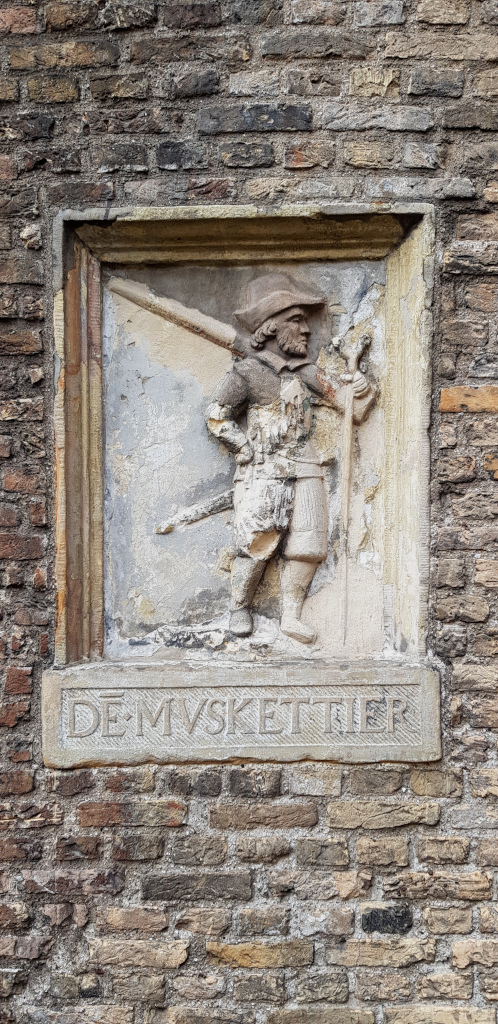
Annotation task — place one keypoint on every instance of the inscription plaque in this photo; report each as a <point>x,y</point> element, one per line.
<point>243,491</point>
<point>112,714</point>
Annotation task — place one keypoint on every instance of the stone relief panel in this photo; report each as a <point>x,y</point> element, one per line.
<point>241,484</point>
<point>266,482</point>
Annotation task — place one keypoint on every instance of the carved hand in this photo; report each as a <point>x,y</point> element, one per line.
<point>245,454</point>
<point>361,387</point>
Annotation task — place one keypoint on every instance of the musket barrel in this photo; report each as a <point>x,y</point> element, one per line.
<point>176,313</point>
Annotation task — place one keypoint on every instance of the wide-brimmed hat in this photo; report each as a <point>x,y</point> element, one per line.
<point>271,294</point>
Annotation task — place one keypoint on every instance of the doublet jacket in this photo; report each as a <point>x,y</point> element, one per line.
<point>277,395</point>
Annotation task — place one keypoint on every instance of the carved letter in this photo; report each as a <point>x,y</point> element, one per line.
<point>143,712</point>
<point>365,714</point>
<point>216,716</point>
<point>233,715</point>
<point>109,717</point>
<point>391,701</point>
<point>72,724</point>
<point>328,703</point>
<point>349,701</point>
<point>295,703</point>
<point>267,715</point>
<point>190,723</point>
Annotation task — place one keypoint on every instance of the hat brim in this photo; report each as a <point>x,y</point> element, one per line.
<point>252,317</point>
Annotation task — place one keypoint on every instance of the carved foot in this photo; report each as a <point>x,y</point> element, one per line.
<point>241,622</point>
<point>297,630</point>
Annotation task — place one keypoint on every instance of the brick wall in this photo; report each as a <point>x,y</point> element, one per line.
<point>243,894</point>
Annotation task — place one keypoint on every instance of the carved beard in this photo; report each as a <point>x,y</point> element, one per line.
<point>288,342</point>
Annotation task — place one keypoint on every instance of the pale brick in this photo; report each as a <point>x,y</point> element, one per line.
<point>372,81</point>
<point>308,885</point>
<point>321,919</point>
<point>432,782</point>
<point>489,919</point>
<point>328,986</point>
<point>484,782</point>
<point>445,986</point>
<point>368,154</point>
<point>443,848</point>
<point>486,572</point>
<point>321,1015</point>
<point>381,952</point>
<point>293,953</point>
<point>441,885</point>
<point>382,852</point>
<point>475,951</point>
<point>314,780</point>
<point>136,918</point>
<point>438,1015</point>
<point>137,953</point>
<point>443,12</point>
<point>204,921</point>
<point>374,986</point>
<point>381,814</point>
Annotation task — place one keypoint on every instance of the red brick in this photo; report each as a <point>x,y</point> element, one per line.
<point>14,783</point>
<point>39,579</point>
<point>18,681</point>
<point>16,342</point>
<point>151,813</point>
<point>24,483</point>
<point>5,447</point>
<point>9,516</point>
<point>71,783</point>
<point>11,714</point>
<point>18,20</point>
<point>8,169</point>
<point>13,915</point>
<point>20,848</point>
<point>21,547</point>
<point>38,513</point>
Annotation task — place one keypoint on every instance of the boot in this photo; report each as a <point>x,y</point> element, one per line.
<point>296,578</point>
<point>246,574</point>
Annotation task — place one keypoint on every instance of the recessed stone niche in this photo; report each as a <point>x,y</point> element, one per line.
<point>242,567</point>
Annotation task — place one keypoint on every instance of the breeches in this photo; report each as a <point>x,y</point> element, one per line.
<point>292,511</point>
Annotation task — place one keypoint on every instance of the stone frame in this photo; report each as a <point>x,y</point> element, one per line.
<point>83,241</point>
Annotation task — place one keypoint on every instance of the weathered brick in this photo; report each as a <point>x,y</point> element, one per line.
<point>53,90</point>
<point>260,117</point>
<point>155,813</point>
<point>176,156</point>
<point>326,853</point>
<point>382,952</point>
<point>391,920</point>
<point>259,988</point>
<point>122,156</point>
<point>321,1015</point>
<point>308,43</point>
<point>433,782</point>
<point>62,55</point>
<point>422,154</point>
<point>324,919</point>
<point>264,850</point>
<point>198,886</point>
<point>440,885</point>
<point>269,920</point>
<point>15,783</point>
<point>439,849</point>
<point>428,81</point>
<point>204,921</point>
<point>372,986</point>
<point>489,919</point>
<point>23,483</point>
<point>449,985</point>
<point>138,847</point>
<point>309,885</point>
<point>339,117</point>
<point>317,12</point>
<point>467,609</point>
<point>12,546</point>
<point>194,850</point>
<point>329,986</point>
<point>138,953</point>
<point>475,951</point>
<point>434,46</point>
<point>78,847</point>
<point>194,83</point>
<point>295,815</point>
<point>380,814</point>
<point>456,469</point>
<point>437,1015</point>
<point>291,953</point>
<point>255,783</point>
<point>247,154</point>
<point>188,1015</point>
<point>382,852</point>
<point>71,883</point>
<point>368,154</point>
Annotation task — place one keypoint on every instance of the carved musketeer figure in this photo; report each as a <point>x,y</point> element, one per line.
<point>280,497</point>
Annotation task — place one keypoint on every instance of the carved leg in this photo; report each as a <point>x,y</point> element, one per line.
<point>296,578</point>
<point>246,574</point>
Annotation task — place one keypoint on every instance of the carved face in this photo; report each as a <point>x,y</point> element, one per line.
<point>292,334</point>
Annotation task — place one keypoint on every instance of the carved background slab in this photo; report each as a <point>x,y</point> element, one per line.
<point>121,714</point>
